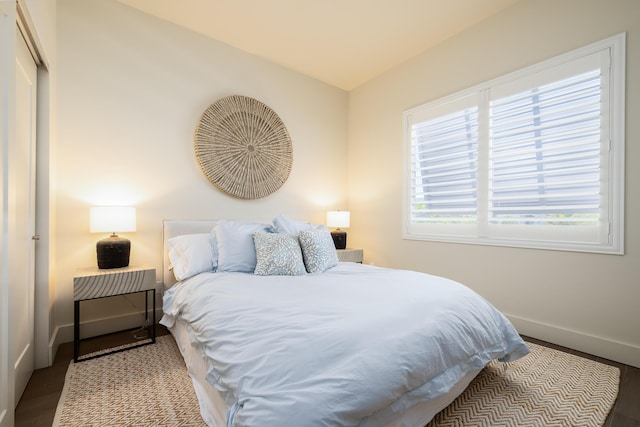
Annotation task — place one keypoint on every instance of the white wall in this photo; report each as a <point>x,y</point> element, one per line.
<point>585,301</point>
<point>131,89</point>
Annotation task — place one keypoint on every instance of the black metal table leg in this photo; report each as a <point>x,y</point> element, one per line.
<point>153,326</point>
<point>76,330</point>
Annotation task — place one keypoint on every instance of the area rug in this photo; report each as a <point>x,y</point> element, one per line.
<point>149,386</point>
<point>543,389</point>
<point>144,386</point>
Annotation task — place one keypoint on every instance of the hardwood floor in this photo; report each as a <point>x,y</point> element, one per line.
<point>38,404</point>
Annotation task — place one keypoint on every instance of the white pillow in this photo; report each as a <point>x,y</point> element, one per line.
<point>282,224</point>
<point>191,254</point>
<point>278,255</point>
<point>318,250</point>
<point>236,250</point>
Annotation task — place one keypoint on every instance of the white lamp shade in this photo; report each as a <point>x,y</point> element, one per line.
<point>112,219</point>
<point>338,219</point>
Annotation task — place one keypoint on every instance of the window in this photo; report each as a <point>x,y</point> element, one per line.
<point>532,159</point>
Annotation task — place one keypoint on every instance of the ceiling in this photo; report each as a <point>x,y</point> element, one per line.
<point>341,42</point>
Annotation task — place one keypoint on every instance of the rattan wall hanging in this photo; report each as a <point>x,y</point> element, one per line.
<point>243,147</point>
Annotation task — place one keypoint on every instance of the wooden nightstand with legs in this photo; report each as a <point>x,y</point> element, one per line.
<point>93,283</point>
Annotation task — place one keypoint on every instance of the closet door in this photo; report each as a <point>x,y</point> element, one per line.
<point>7,60</point>
<point>22,155</point>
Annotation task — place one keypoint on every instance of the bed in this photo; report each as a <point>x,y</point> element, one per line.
<point>337,344</point>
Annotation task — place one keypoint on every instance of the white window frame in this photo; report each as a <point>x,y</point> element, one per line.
<point>611,235</point>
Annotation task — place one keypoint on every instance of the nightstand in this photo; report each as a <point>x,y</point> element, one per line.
<point>350,255</point>
<point>93,283</point>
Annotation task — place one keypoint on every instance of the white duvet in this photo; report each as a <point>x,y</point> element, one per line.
<point>348,347</point>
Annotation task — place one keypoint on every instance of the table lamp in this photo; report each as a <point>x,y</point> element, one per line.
<point>338,220</point>
<point>113,251</point>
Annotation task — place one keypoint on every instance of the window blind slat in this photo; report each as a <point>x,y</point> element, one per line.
<point>551,124</point>
<point>537,98</point>
<point>559,85</point>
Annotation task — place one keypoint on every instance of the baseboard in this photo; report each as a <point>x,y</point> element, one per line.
<point>54,343</point>
<point>597,346</point>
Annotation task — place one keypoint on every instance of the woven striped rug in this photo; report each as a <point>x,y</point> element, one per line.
<point>149,386</point>
<point>144,386</point>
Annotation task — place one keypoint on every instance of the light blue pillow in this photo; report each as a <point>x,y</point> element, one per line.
<point>236,250</point>
<point>282,224</point>
<point>318,250</point>
<point>278,255</point>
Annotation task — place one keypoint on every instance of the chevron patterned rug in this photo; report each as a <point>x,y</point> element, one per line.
<point>149,386</point>
<point>546,388</point>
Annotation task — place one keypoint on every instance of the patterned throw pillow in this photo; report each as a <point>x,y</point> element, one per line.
<point>278,255</point>
<point>318,250</point>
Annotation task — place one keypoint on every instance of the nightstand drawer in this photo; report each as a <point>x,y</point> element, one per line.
<point>90,283</point>
<point>350,255</point>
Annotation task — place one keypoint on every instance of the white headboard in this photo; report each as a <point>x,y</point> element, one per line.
<point>177,227</point>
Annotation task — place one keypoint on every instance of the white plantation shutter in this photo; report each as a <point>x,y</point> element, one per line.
<point>445,158</point>
<point>531,159</point>
<point>545,153</point>
<point>443,161</point>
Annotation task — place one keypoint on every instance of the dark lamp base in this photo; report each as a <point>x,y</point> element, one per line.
<point>113,252</point>
<point>339,239</point>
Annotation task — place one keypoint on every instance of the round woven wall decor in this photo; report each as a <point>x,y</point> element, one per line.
<point>243,147</point>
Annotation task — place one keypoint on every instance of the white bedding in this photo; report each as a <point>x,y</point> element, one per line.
<point>355,345</point>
